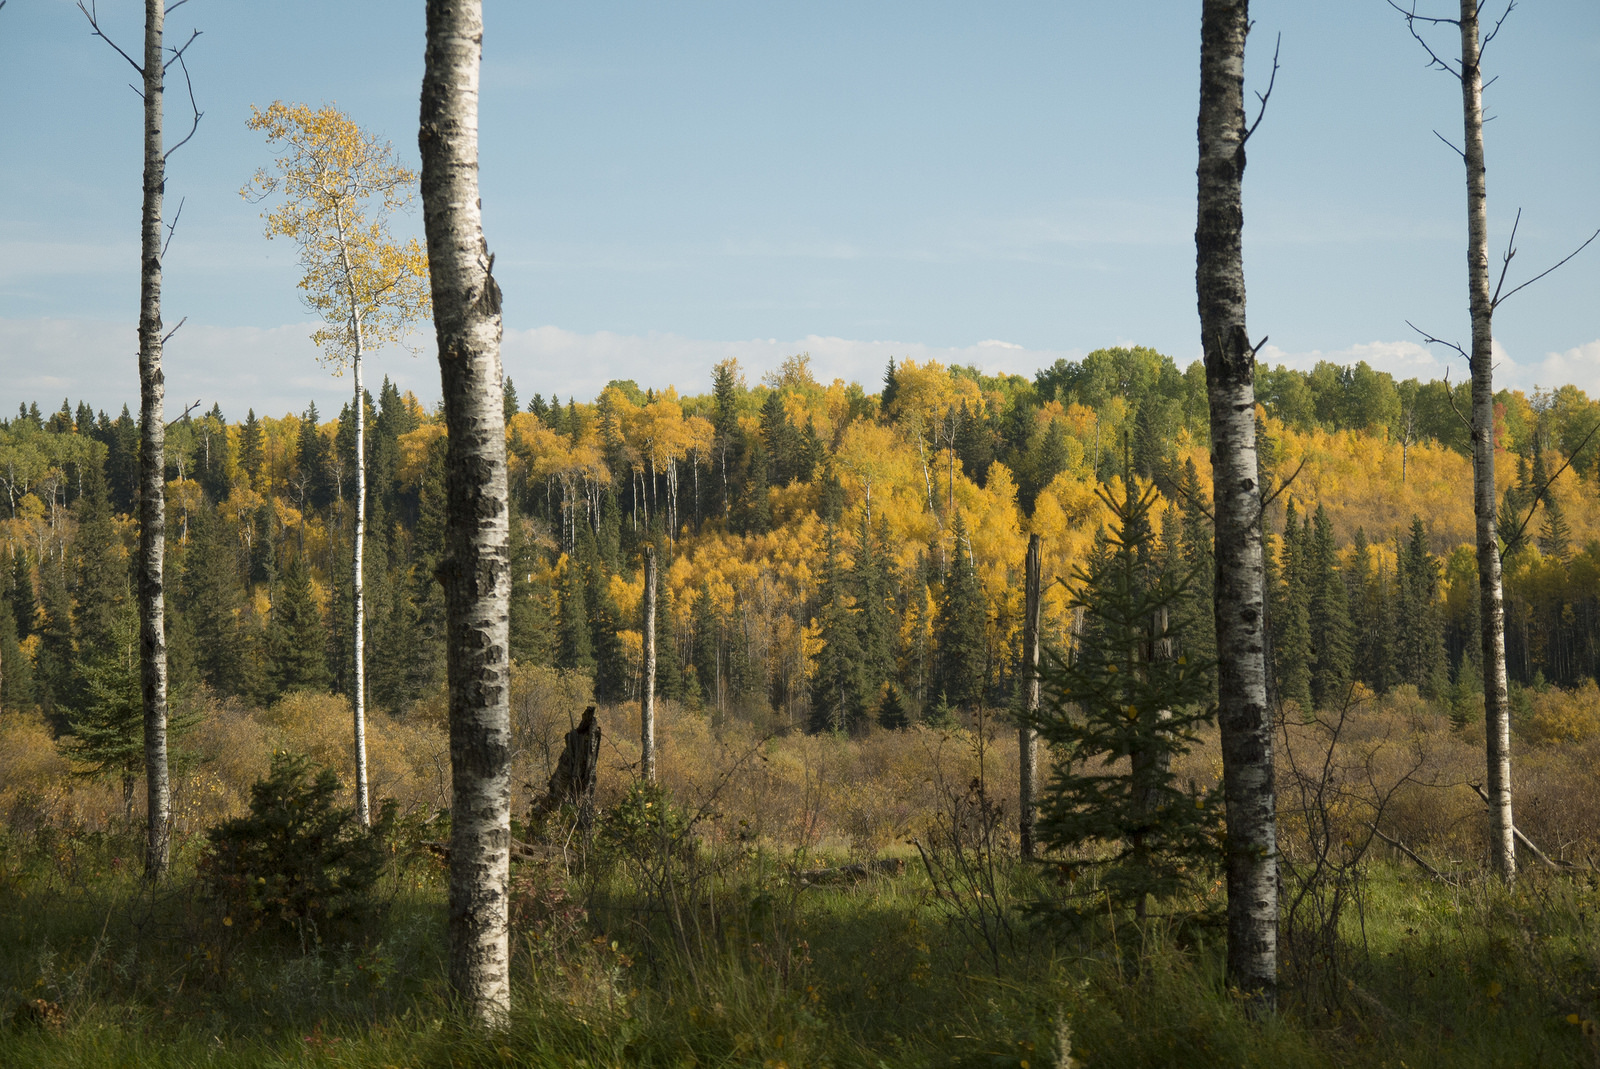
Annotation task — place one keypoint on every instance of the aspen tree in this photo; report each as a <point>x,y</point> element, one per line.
<point>152,426</point>
<point>476,570</point>
<point>340,185</point>
<point>1483,301</point>
<point>1243,715</point>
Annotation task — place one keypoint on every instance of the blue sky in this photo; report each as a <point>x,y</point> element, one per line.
<point>668,184</point>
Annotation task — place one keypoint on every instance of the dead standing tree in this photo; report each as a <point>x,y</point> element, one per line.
<point>152,426</point>
<point>1244,715</point>
<point>1468,71</point>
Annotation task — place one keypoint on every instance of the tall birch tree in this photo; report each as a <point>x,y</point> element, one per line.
<point>476,570</point>
<point>1243,715</point>
<point>150,568</point>
<point>340,186</point>
<point>1483,302</point>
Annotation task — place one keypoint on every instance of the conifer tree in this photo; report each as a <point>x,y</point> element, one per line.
<point>16,671</point>
<point>101,577</point>
<point>1196,624</point>
<point>315,477</point>
<point>209,597</point>
<point>106,733</point>
<point>296,637</point>
<point>576,649</point>
<point>874,596</point>
<point>1420,629</point>
<point>959,629</point>
<point>251,455</point>
<point>839,681</point>
<point>708,653</point>
<point>1121,696</point>
<point>1291,616</point>
<point>1328,612</point>
<point>892,710</point>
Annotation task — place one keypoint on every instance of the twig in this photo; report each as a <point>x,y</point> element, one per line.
<point>168,335</point>
<point>186,411</point>
<point>173,228</point>
<point>1544,488</point>
<point>1412,18</point>
<point>92,15</point>
<point>1451,397</point>
<point>1450,144</point>
<point>1270,498</point>
<point>177,54</point>
<point>1264,97</point>
<point>1498,298</point>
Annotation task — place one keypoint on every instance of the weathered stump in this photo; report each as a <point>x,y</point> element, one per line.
<point>576,772</point>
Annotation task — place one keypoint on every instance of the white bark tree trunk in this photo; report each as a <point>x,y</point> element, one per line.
<point>1027,738</point>
<point>1491,603</point>
<point>152,462</point>
<point>1244,715</point>
<point>647,700</point>
<point>476,570</point>
<point>358,583</point>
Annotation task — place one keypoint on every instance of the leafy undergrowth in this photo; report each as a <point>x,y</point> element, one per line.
<point>729,961</point>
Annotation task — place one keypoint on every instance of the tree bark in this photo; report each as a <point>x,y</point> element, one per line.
<point>476,570</point>
<point>1027,737</point>
<point>1244,715</point>
<point>1491,603</point>
<point>647,700</point>
<point>358,583</point>
<point>153,462</point>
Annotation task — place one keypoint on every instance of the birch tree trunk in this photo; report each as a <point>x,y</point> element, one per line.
<point>153,463</point>
<point>1244,715</point>
<point>358,584</point>
<point>647,700</point>
<point>1027,738</point>
<point>1491,603</point>
<point>476,570</point>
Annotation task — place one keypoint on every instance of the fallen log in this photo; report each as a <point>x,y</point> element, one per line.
<point>1559,866</point>
<point>856,870</point>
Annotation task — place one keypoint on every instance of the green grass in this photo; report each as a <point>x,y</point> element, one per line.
<point>752,971</point>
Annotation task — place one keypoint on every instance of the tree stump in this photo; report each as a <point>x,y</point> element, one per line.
<point>573,780</point>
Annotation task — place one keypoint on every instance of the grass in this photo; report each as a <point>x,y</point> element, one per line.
<point>751,970</point>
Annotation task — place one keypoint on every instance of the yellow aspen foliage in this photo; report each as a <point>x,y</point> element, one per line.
<point>340,186</point>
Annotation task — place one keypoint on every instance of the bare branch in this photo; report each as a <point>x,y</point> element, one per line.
<point>92,15</point>
<point>1451,397</point>
<point>1496,302</point>
<point>177,53</point>
<point>1506,258</point>
<point>1412,18</point>
<point>1429,339</point>
<point>1483,44</point>
<point>198,402</point>
<point>194,107</point>
<point>1544,488</point>
<point>1264,97</point>
<point>168,335</point>
<point>172,229</point>
<point>170,9</point>
<point>1270,498</point>
<point>1450,143</point>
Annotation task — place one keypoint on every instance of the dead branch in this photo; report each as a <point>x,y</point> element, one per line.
<point>92,15</point>
<point>1544,488</point>
<point>1559,866</point>
<point>174,422</point>
<point>1408,852</point>
<point>1264,97</point>
<point>177,54</point>
<point>859,870</point>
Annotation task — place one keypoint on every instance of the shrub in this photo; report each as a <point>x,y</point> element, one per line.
<point>297,860</point>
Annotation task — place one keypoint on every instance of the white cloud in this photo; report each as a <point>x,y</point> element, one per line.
<point>553,360</point>
<point>1578,366</point>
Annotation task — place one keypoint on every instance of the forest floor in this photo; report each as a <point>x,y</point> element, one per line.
<point>727,957</point>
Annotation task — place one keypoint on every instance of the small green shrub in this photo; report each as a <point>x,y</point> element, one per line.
<point>298,861</point>
<point>646,822</point>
